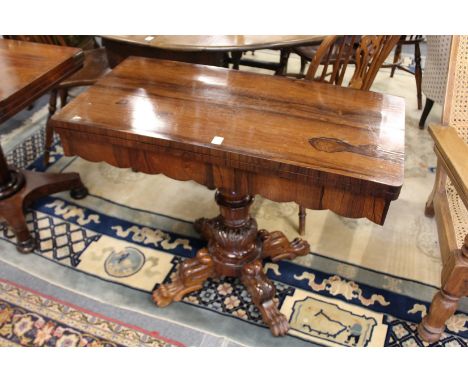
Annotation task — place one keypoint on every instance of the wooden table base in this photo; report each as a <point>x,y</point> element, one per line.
<point>235,248</point>
<point>35,185</point>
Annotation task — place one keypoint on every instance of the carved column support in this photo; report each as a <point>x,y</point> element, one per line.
<point>232,236</point>
<point>235,248</point>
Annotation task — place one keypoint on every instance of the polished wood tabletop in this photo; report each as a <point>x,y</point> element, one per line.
<point>291,126</point>
<point>28,70</point>
<point>229,43</point>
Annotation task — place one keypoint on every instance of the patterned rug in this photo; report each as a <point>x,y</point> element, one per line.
<point>132,231</point>
<point>29,318</point>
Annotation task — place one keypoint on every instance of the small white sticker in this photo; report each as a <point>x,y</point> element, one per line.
<point>76,118</point>
<point>149,38</point>
<point>217,140</point>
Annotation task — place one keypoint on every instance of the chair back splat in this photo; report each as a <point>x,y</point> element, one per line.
<point>335,53</point>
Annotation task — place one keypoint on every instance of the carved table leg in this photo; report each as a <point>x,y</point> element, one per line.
<point>190,277</point>
<point>235,248</point>
<point>276,246</point>
<point>302,220</point>
<point>263,292</point>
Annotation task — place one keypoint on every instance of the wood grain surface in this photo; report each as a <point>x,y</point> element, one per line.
<point>27,70</point>
<point>288,140</point>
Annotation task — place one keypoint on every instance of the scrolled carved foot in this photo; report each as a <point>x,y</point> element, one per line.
<point>263,292</point>
<point>168,293</point>
<point>276,321</point>
<point>190,277</point>
<point>276,246</point>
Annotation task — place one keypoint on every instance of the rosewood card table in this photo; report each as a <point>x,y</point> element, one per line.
<point>27,71</point>
<point>322,146</point>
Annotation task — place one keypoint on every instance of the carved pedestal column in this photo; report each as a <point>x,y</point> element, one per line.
<point>235,248</point>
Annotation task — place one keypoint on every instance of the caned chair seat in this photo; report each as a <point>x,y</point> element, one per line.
<point>458,213</point>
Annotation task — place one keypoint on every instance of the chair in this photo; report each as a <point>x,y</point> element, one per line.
<point>306,53</point>
<point>397,64</point>
<point>434,82</point>
<point>333,57</point>
<point>448,201</point>
<point>95,66</point>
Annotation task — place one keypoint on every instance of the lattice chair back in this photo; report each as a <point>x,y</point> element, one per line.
<point>367,53</point>
<point>456,97</point>
<point>331,59</point>
<point>455,115</point>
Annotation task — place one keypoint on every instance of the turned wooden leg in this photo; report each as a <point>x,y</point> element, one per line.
<point>190,277</point>
<point>49,136</point>
<point>63,93</point>
<point>303,65</point>
<point>283,64</point>
<point>236,57</point>
<point>445,302</point>
<point>418,74</point>
<point>276,246</point>
<point>396,59</point>
<point>439,186</point>
<point>263,292</point>
<point>302,220</point>
<point>52,102</point>
<point>427,109</point>
<point>49,132</point>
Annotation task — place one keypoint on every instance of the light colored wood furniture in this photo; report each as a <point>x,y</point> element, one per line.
<point>245,134</point>
<point>332,58</point>
<point>449,198</point>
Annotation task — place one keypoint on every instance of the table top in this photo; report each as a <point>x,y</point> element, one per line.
<point>28,70</point>
<point>276,124</point>
<point>192,43</point>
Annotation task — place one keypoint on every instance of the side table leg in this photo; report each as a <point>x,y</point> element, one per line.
<point>263,292</point>
<point>276,246</point>
<point>36,185</point>
<point>190,277</point>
